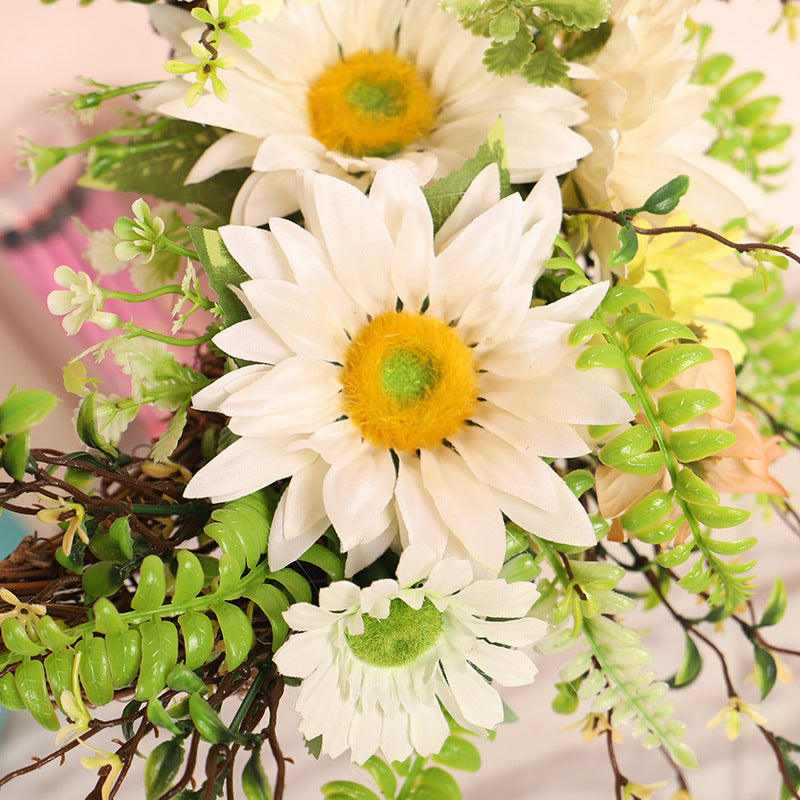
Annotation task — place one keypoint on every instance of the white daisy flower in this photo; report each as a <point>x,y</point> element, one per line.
<point>646,121</point>
<point>378,664</point>
<point>343,86</point>
<point>402,381</point>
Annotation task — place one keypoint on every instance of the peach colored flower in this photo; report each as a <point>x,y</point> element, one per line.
<point>742,468</point>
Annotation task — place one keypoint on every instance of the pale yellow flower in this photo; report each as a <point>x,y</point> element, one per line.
<point>26,613</point>
<point>593,726</point>
<point>730,716</point>
<point>74,512</point>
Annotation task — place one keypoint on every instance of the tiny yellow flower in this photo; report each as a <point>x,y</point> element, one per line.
<point>641,791</point>
<point>26,613</point>
<point>104,759</point>
<point>593,726</point>
<point>731,717</point>
<point>65,510</point>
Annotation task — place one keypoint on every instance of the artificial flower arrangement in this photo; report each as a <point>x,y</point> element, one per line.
<point>488,357</point>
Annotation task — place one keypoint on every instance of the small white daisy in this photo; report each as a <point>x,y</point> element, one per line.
<point>403,381</point>
<point>343,86</point>
<point>79,302</point>
<point>379,664</point>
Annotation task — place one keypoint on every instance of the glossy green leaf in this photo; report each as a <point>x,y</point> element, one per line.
<point>683,405</point>
<point>585,329</point>
<point>651,335</point>
<point>15,455</point>
<point>694,489</point>
<point>52,635</point>
<point>382,774</point>
<point>720,516</point>
<point>198,638</point>
<point>58,669</point>
<point>103,579</point>
<point>665,199</point>
<point>16,638</point>
<point>659,368</point>
<point>120,534</point>
<point>697,579</point>
<point>124,656</point>
<point>690,666</point>
<point>326,560</point>
<point>713,69</point>
<point>628,247</point>
<point>579,481</point>
<point>208,724</point>
<point>643,464</point>
<point>620,297</point>
<point>107,619</point>
<point>776,605</point>
<point>32,688</point>
<point>94,670</point>
<point>647,512</point>
<point>697,443</point>
<point>189,577</point>
<point>347,789</point>
<point>735,90</point>
<point>255,783</point>
<point>766,670</point>
<point>675,557</point>
<point>22,409</point>
<point>158,715</point>
<point>237,633</point>
<point>182,679</point>
<point>458,753</point>
<point>664,531</point>
<point>731,548</point>
<point>439,783</point>
<point>608,356</point>
<point>632,442</point>
<point>152,588</point>
<point>272,603</point>
<point>159,656</point>
<point>10,697</point>
<point>162,766</point>
<point>296,585</point>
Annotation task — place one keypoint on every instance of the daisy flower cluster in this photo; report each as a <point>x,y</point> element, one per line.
<point>467,306</point>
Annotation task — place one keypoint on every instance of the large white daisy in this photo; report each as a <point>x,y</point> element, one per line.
<point>645,121</point>
<point>343,86</point>
<point>403,381</point>
<point>379,663</point>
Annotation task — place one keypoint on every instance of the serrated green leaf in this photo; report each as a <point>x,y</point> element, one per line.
<point>582,44</point>
<point>444,195</point>
<point>505,25</point>
<point>776,605</point>
<point>583,14</point>
<point>545,68</point>
<point>169,439</point>
<point>507,58</point>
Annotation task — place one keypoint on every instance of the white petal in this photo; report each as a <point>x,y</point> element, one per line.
<point>429,728</point>
<point>449,576</point>
<point>284,151</point>
<point>282,551</point>
<point>569,525</point>
<point>574,307</point>
<point>507,667</point>
<point>232,151</point>
<point>412,259</point>
<point>212,396</point>
<point>497,598</point>
<point>481,195</point>
<point>256,252</point>
<point>478,701</point>
<point>495,315</point>
<point>253,340</point>
<point>356,493</point>
<point>466,505</point>
<point>339,596</point>
<point>512,632</point>
<point>422,522</point>
<point>303,507</point>
<point>265,195</point>
<point>415,564</point>
<point>522,474</point>
<point>246,465</point>
<point>363,555</point>
<point>393,192</point>
<point>338,443</point>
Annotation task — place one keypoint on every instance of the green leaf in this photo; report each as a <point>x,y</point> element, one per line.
<point>659,368</point>
<point>157,714</point>
<point>675,557</point>
<point>434,782</point>
<point>650,335</point>
<point>628,247</point>
<point>382,774</point>
<point>152,585</point>
<point>443,196</point>
<point>169,439</point>
<point>690,666</point>
<point>776,605</point>
<point>237,633</point>
<point>505,25</point>
<point>601,355</point>
<point>739,87</point>
<point>222,271</point>
<point>713,69</point>
<point>619,297</point>
<point>545,68</point>
<point>581,44</point>
<point>719,516</point>
<point>161,768</point>
<point>698,443</point>
<point>647,512</point>
<point>631,442</point>
<point>255,783</point>
<point>22,409</point>
<point>161,171</point>
<point>732,548</point>
<point>694,489</point>
<point>458,753</point>
<point>766,670</point>
<point>680,406</point>
<point>504,59</point>
<point>583,14</point>
<point>567,700</point>
<point>585,329</point>
<point>15,455</point>
<point>666,198</point>
<point>349,790</point>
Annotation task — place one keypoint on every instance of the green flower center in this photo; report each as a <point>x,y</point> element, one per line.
<point>399,639</point>
<point>407,375</point>
<point>378,99</point>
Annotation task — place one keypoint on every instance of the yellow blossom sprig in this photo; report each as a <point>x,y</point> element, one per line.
<point>74,708</point>
<point>207,50</point>
<point>26,613</point>
<point>730,716</point>
<point>104,759</point>
<point>65,510</point>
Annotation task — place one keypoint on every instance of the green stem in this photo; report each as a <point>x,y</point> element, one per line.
<point>180,250</point>
<point>101,94</point>
<point>408,784</point>
<point>133,297</point>
<point>135,330</point>
<point>250,697</point>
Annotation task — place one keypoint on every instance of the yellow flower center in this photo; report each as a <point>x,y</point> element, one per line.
<point>408,381</point>
<point>371,104</point>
